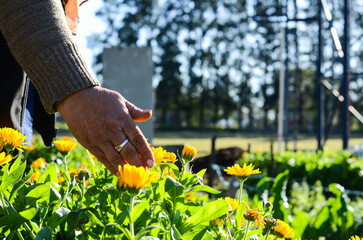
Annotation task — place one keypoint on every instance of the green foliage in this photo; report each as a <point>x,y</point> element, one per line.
<point>176,206</point>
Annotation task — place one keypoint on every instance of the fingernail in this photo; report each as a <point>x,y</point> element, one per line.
<point>150,163</point>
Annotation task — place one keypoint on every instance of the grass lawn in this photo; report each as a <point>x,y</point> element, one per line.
<point>257,141</point>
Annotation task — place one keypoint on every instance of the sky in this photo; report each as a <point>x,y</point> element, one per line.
<point>89,24</point>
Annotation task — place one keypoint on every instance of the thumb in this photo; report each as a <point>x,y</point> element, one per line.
<point>138,114</point>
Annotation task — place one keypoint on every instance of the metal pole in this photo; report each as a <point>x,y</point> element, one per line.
<point>286,90</point>
<point>296,82</point>
<point>280,126</point>
<point>286,82</point>
<point>345,83</point>
<point>319,89</point>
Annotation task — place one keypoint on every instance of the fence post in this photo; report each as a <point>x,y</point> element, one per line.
<point>212,160</point>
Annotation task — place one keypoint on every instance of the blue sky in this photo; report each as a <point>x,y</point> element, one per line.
<point>89,24</point>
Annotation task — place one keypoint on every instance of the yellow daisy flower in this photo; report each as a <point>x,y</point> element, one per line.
<point>4,159</point>
<point>242,173</point>
<point>2,143</point>
<point>134,178</point>
<point>162,156</point>
<point>232,202</point>
<point>168,172</point>
<point>39,163</point>
<point>34,178</point>
<point>355,238</point>
<point>80,173</point>
<point>67,139</point>
<point>29,148</point>
<point>61,179</point>
<point>283,230</point>
<point>65,146</point>
<point>12,138</point>
<point>253,215</point>
<point>188,153</point>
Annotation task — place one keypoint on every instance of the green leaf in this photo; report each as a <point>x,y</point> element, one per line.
<point>52,172</point>
<point>323,217</point>
<point>73,219</point>
<point>59,216</point>
<point>38,193</point>
<point>279,193</point>
<point>300,222</point>
<point>138,209</point>
<point>15,165</point>
<point>175,234</point>
<point>20,184</point>
<point>13,177</point>
<point>201,172</point>
<point>18,218</point>
<point>93,216</point>
<point>239,213</point>
<point>207,213</point>
<point>54,195</point>
<point>44,234</point>
<point>125,231</point>
<point>203,188</point>
<point>173,187</point>
<point>144,231</point>
<point>195,234</point>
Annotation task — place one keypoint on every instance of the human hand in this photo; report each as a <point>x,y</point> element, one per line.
<point>101,119</point>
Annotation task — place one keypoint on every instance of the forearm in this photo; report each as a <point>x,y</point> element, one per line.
<point>39,39</point>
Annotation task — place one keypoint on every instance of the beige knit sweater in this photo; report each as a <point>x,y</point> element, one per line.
<point>38,37</point>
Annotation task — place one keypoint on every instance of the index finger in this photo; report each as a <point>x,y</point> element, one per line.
<point>137,139</point>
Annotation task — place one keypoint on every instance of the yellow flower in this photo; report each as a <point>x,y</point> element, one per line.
<point>270,222</point>
<point>65,146</point>
<point>4,159</point>
<point>191,199</point>
<point>80,174</point>
<point>283,230</point>
<point>355,238</point>
<point>242,173</point>
<point>168,172</point>
<point>188,153</point>
<point>2,142</point>
<point>61,179</point>
<point>253,215</point>
<point>162,156</point>
<point>134,178</point>
<point>244,154</point>
<point>218,222</point>
<point>232,202</point>
<point>39,163</point>
<point>29,149</point>
<point>35,177</point>
<point>12,138</point>
<point>67,139</point>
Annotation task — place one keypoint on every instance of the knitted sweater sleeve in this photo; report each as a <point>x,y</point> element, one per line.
<point>39,39</point>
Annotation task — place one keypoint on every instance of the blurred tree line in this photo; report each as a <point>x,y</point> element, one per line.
<point>213,62</point>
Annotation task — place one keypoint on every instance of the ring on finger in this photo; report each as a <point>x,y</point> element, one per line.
<point>119,147</point>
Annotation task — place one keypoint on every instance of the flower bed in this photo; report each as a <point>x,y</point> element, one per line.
<point>63,192</point>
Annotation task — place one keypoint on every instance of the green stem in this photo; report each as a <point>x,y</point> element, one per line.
<point>32,235</point>
<point>246,232</point>
<point>19,235</point>
<point>84,233</point>
<point>240,192</point>
<point>131,223</point>
<point>268,234</point>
